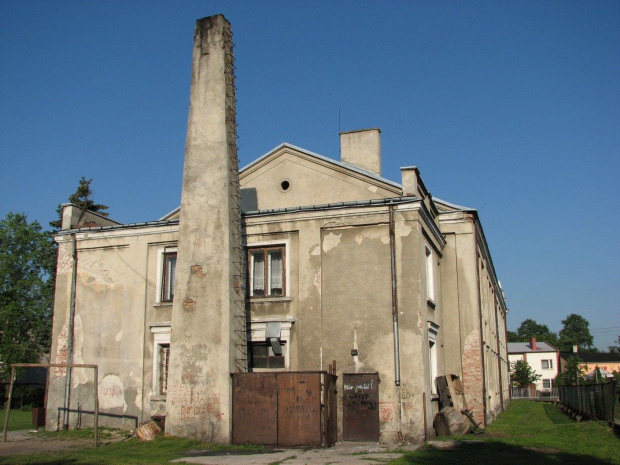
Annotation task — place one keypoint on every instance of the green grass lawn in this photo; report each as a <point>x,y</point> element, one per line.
<point>529,433</point>
<point>126,452</point>
<point>18,420</point>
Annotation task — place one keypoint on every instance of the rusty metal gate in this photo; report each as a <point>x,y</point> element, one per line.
<point>361,407</point>
<point>284,409</point>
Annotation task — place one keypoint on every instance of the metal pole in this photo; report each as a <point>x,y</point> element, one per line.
<point>96,393</point>
<point>70,331</point>
<point>8,406</point>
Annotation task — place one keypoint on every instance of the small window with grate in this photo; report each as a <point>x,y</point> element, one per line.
<point>164,358</point>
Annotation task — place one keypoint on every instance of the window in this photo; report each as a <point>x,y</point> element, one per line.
<point>161,358</point>
<point>267,272</point>
<point>164,357</point>
<point>430,276</point>
<point>433,329</point>
<point>547,383</point>
<point>167,288</point>
<point>547,364</point>
<point>268,355</point>
<point>270,344</point>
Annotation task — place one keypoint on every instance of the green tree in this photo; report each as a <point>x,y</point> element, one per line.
<point>530,328</point>
<point>615,349</point>
<point>573,371</point>
<point>82,198</point>
<point>575,331</point>
<point>522,375</point>
<point>27,265</point>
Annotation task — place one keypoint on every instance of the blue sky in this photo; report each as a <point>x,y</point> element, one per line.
<point>512,108</point>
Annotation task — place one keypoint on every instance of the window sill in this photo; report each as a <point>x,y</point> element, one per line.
<point>261,300</point>
<point>269,370</point>
<point>159,398</point>
<point>163,305</point>
<point>431,303</point>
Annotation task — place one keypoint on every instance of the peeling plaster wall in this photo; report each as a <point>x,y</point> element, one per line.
<point>469,296</point>
<point>340,298</point>
<point>108,328</point>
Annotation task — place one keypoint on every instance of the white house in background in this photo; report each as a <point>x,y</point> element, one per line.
<point>542,357</point>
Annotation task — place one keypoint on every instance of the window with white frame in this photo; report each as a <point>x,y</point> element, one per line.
<point>433,330</point>
<point>270,344</point>
<point>430,275</point>
<point>547,383</point>
<point>547,364</point>
<point>161,358</point>
<point>168,274</point>
<point>267,269</point>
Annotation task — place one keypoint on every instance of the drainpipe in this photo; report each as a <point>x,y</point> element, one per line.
<point>70,332</point>
<point>394,299</point>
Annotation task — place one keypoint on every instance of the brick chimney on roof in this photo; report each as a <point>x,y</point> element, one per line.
<point>533,344</point>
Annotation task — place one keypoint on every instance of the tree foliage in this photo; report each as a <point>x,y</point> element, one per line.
<point>575,331</point>
<point>522,375</point>
<point>615,349</point>
<point>82,198</point>
<point>27,266</point>
<point>573,371</point>
<point>530,328</point>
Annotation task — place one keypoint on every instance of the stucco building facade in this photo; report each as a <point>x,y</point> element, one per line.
<point>293,262</point>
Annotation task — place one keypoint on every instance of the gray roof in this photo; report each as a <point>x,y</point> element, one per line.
<point>525,347</point>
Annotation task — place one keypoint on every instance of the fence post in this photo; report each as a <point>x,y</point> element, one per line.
<point>8,406</point>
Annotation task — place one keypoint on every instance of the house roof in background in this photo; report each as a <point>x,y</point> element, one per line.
<point>523,347</point>
<point>593,357</point>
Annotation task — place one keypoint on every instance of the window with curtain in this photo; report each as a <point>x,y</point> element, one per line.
<point>267,271</point>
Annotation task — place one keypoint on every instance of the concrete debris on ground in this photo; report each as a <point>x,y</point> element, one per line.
<point>451,422</point>
<point>148,432</point>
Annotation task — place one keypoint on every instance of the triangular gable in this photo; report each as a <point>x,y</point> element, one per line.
<point>289,176</point>
<point>312,180</point>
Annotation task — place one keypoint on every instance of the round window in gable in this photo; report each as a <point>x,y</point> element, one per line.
<point>285,185</point>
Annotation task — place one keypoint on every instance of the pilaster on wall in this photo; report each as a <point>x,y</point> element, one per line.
<point>207,336</point>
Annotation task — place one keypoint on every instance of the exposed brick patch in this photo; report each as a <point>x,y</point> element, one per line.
<point>472,375</point>
<point>65,260</point>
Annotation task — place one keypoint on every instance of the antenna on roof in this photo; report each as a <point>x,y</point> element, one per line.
<point>339,145</point>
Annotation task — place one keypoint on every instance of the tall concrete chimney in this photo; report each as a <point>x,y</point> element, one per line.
<point>362,148</point>
<point>207,314</point>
